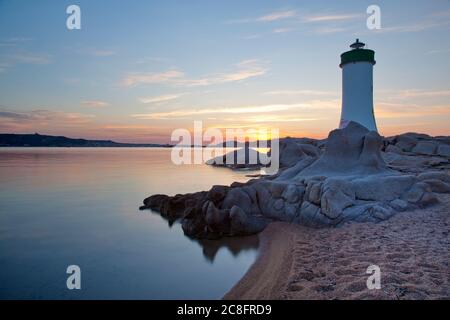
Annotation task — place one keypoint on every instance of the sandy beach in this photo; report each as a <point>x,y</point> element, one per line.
<point>412,250</point>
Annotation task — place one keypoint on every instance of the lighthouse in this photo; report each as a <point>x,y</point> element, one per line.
<point>357,86</point>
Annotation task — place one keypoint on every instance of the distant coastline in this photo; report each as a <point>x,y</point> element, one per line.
<point>39,140</point>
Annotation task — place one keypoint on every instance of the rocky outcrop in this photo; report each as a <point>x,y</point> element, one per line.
<point>356,176</point>
<point>291,151</point>
<point>415,153</point>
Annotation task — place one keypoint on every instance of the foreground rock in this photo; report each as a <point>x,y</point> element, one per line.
<point>350,179</point>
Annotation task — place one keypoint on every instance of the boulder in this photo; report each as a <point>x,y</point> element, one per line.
<point>443,150</point>
<point>337,195</point>
<point>406,142</point>
<point>308,212</point>
<point>415,194</point>
<point>380,212</point>
<point>399,204</point>
<point>237,196</point>
<point>243,224</point>
<point>294,193</point>
<point>214,217</point>
<point>290,153</point>
<point>382,188</point>
<point>438,185</point>
<point>313,191</point>
<point>435,175</point>
<point>425,147</point>
<point>394,149</point>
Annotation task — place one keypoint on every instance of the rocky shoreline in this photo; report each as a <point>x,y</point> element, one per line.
<point>354,175</point>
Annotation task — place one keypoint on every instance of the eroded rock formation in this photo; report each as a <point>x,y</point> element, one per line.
<point>354,176</point>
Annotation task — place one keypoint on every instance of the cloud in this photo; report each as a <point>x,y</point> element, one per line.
<point>411,28</point>
<point>158,99</point>
<point>8,61</point>
<point>37,119</point>
<point>272,118</point>
<point>95,103</point>
<point>13,42</point>
<point>415,93</point>
<point>244,70</point>
<point>292,14</point>
<point>330,30</point>
<point>102,53</point>
<point>279,15</point>
<point>168,76</point>
<point>438,51</point>
<point>251,37</point>
<point>330,17</point>
<point>281,30</point>
<point>96,52</point>
<point>302,92</point>
<point>388,110</point>
<point>270,17</point>
<point>208,111</point>
<point>408,94</point>
<point>308,19</point>
<point>430,21</point>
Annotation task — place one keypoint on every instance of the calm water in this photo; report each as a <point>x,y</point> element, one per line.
<point>61,206</point>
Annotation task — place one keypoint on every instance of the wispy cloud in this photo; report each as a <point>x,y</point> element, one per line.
<point>420,26</point>
<point>272,119</point>
<point>244,70</point>
<point>292,18</point>
<point>270,17</point>
<point>29,120</point>
<point>407,94</point>
<point>302,92</point>
<point>330,17</point>
<point>152,60</point>
<point>95,103</point>
<point>330,30</point>
<point>414,93</point>
<point>385,110</point>
<point>278,15</point>
<point>438,51</point>
<point>210,111</point>
<point>282,30</point>
<point>13,42</point>
<point>96,52</point>
<point>8,61</point>
<point>169,76</point>
<point>430,21</point>
<point>159,99</point>
<point>102,53</point>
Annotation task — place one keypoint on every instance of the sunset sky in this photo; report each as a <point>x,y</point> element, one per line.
<point>137,70</point>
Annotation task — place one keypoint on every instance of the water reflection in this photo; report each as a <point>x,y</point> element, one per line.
<point>235,245</point>
<point>63,206</point>
<point>210,247</point>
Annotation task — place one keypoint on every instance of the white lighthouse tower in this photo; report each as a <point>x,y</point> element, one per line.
<point>357,86</point>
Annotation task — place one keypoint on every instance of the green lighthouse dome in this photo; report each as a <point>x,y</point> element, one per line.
<point>357,54</point>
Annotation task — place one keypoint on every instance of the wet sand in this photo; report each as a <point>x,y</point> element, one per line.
<point>412,250</point>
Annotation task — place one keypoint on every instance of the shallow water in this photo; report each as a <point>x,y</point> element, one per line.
<point>79,206</point>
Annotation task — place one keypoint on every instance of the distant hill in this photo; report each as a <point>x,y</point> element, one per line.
<point>39,140</point>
